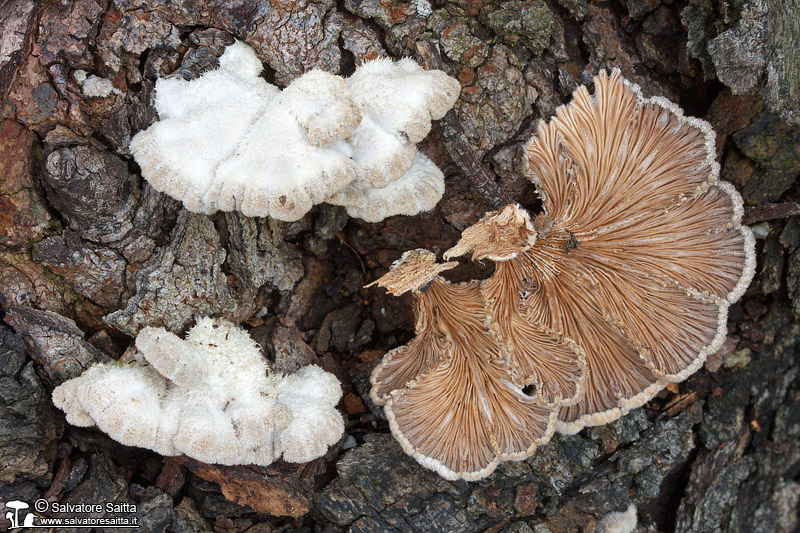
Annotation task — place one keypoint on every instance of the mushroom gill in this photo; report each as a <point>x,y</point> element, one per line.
<point>535,354</point>
<point>647,249</point>
<point>461,414</point>
<point>619,287</point>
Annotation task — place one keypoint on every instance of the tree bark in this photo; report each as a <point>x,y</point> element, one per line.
<point>89,254</point>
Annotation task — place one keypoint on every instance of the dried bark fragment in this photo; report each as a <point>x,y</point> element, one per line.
<point>697,19</point>
<point>172,477</point>
<point>290,350</point>
<point>530,24</point>
<point>55,343</point>
<point>185,280</point>
<point>330,221</point>
<point>67,477</point>
<point>771,265</point>
<point>385,14</point>
<point>760,51</point>
<point>276,495</point>
<point>153,222</point>
<point>502,236</point>
<point>31,97</point>
<point>378,481</point>
<point>759,213</point>
<point>738,480</point>
<point>188,519</point>
<point>338,330</point>
<point>16,23</point>
<point>361,41</point>
<point>23,214</point>
<point>576,8</point>
<point>93,271</point>
<point>661,43</point>
<point>458,144</point>
<point>793,280</point>
<point>93,190</point>
<point>298,37</point>
<point>125,36</point>
<point>638,8</point>
<point>492,106</point>
<point>24,282</point>
<point>65,32</point>
<point>104,482</point>
<point>576,481</point>
<point>609,48</point>
<point>28,429</point>
<point>729,114</point>
<point>293,38</point>
<point>790,236</point>
<point>258,253</point>
<point>774,146</point>
<point>154,509</point>
<point>457,40</point>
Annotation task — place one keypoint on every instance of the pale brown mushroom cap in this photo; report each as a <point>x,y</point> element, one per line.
<point>498,236</point>
<point>658,249</point>
<point>449,396</point>
<point>535,354</point>
<point>621,286</point>
<point>414,270</point>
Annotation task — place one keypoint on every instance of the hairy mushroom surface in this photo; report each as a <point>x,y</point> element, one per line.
<point>229,140</point>
<point>418,190</point>
<point>619,287</point>
<point>209,396</point>
<point>397,101</point>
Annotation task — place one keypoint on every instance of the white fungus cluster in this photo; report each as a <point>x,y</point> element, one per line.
<point>94,86</point>
<point>209,397</point>
<point>229,140</point>
<point>619,522</point>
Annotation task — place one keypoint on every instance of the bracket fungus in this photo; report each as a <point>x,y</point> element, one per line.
<point>208,396</point>
<point>621,286</point>
<point>229,140</point>
<point>450,398</point>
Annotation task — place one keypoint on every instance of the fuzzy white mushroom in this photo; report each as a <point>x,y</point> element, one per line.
<point>228,140</point>
<point>292,156</point>
<point>619,522</point>
<point>397,101</point>
<point>210,397</point>
<point>416,191</point>
<point>202,123</point>
<point>94,86</point>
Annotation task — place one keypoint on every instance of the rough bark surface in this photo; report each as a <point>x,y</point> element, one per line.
<point>90,254</point>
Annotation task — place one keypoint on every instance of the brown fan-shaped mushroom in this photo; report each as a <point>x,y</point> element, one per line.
<point>647,250</point>
<point>449,396</point>
<point>536,354</point>
<point>628,274</point>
